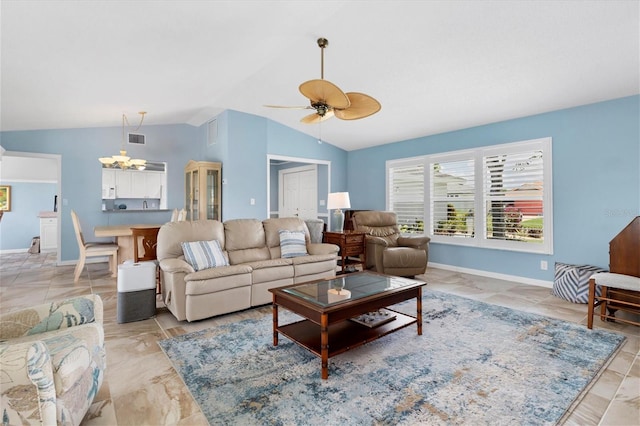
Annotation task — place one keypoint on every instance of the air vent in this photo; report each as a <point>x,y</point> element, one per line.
<point>136,138</point>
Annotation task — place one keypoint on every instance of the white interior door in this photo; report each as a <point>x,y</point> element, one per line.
<point>298,193</point>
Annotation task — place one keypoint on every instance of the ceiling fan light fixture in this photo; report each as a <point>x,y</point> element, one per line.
<point>325,97</point>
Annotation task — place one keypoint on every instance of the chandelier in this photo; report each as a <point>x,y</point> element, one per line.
<point>123,161</point>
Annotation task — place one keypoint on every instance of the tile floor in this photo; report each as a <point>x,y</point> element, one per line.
<point>142,388</point>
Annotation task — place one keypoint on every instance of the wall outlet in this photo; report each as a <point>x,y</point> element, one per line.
<point>543,265</point>
<point>252,201</point>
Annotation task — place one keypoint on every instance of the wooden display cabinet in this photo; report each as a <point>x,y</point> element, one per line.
<point>203,190</point>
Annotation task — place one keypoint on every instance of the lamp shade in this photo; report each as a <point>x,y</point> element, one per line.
<point>338,200</point>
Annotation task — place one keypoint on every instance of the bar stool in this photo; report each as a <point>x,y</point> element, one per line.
<point>618,292</point>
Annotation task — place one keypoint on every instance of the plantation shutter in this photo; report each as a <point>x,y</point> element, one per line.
<point>453,197</point>
<point>513,195</point>
<point>406,195</point>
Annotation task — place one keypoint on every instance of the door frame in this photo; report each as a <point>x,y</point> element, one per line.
<point>57,158</point>
<point>301,169</point>
<point>274,157</point>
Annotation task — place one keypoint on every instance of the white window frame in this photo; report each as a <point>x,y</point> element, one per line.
<point>479,239</point>
<point>406,162</point>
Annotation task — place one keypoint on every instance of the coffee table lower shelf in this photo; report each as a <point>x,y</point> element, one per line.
<point>343,336</point>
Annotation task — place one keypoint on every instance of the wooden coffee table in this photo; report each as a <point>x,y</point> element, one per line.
<point>329,306</point>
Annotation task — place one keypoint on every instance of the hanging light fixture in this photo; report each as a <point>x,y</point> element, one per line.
<point>123,161</point>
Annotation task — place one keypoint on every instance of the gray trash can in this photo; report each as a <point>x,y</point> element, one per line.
<point>136,291</point>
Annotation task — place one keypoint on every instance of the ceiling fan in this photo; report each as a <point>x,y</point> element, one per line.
<point>328,100</point>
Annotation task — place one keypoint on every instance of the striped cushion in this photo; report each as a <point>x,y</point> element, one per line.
<point>204,254</point>
<point>571,282</point>
<point>292,243</point>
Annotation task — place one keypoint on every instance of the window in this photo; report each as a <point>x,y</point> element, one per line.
<point>495,197</point>
<point>452,196</point>
<point>406,194</point>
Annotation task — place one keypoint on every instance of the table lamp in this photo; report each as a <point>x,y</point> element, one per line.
<point>336,202</point>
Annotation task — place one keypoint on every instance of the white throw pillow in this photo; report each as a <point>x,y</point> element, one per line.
<point>292,243</point>
<point>204,254</point>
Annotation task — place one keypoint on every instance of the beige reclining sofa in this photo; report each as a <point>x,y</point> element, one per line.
<point>255,264</point>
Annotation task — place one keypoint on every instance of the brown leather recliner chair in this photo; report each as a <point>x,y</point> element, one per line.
<point>388,251</point>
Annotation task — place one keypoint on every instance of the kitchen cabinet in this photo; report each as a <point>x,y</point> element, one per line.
<point>203,190</point>
<point>153,185</point>
<point>118,183</point>
<point>124,185</point>
<point>108,184</point>
<point>48,233</point>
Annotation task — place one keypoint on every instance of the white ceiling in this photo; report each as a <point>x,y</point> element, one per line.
<point>435,66</point>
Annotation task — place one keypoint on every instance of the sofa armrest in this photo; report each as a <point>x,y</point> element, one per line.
<point>370,239</point>
<point>176,265</point>
<point>28,389</point>
<point>322,248</point>
<point>416,241</point>
<point>51,316</point>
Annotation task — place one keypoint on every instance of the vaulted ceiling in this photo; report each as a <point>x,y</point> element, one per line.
<point>435,66</point>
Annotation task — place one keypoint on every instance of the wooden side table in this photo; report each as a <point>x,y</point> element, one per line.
<point>352,247</point>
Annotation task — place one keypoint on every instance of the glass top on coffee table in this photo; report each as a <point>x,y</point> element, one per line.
<point>348,287</point>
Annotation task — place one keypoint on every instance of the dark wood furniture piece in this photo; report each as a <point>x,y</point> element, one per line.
<point>624,259</point>
<point>145,241</point>
<point>327,330</point>
<point>353,250</point>
<point>348,219</point>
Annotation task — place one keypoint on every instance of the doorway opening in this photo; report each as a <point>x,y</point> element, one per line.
<point>29,168</point>
<point>284,174</point>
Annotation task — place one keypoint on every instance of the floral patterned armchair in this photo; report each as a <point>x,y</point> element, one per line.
<point>52,361</point>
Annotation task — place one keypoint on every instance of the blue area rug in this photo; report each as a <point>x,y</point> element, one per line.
<point>474,364</point>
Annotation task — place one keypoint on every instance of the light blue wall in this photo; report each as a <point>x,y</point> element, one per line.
<point>244,140</point>
<point>596,163</point>
<point>596,182</point>
<point>246,167</point>
<point>82,176</point>
<point>21,224</point>
<point>285,141</point>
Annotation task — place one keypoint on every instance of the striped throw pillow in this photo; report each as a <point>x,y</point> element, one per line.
<point>292,243</point>
<point>204,254</point>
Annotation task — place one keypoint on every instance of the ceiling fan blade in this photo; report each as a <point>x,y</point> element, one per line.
<point>326,92</point>
<point>315,117</point>
<point>289,107</point>
<point>361,106</point>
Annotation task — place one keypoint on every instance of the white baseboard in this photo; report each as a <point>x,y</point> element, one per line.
<point>523,280</point>
<point>12,251</point>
